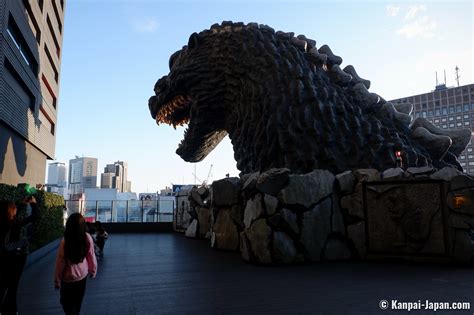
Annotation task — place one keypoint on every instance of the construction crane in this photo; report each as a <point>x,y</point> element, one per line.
<point>203,182</point>
<point>209,174</point>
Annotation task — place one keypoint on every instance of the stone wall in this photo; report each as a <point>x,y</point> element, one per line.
<point>279,218</point>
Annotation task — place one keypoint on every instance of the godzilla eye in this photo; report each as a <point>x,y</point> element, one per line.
<point>173,58</point>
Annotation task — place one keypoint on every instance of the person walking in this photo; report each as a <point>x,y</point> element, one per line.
<point>75,260</point>
<point>100,237</point>
<point>13,251</point>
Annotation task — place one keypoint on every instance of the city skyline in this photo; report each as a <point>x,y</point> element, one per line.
<point>110,67</point>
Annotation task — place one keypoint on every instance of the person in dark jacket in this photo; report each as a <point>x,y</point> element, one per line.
<point>13,251</point>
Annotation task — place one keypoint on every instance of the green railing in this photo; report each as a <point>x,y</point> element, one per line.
<point>123,211</point>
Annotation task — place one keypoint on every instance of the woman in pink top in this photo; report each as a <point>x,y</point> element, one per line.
<point>75,260</point>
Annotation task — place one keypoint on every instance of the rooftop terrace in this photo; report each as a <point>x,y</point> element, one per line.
<point>165,273</point>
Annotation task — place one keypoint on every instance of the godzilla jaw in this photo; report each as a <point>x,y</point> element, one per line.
<point>200,138</point>
<point>199,141</point>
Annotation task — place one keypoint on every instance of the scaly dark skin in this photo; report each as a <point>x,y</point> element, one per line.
<point>285,103</point>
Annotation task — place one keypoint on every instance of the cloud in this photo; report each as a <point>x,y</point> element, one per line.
<point>147,25</point>
<point>413,11</point>
<point>423,27</point>
<point>392,10</point>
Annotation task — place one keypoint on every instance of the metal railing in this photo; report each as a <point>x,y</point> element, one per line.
<point>125,211</point>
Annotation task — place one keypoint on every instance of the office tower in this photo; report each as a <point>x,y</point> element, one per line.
<point>57,174</point>
<point>31,34</point>
<point>115,176</point>
<point>57,180</point>
<point>82,174</point>
<point>448,108</point>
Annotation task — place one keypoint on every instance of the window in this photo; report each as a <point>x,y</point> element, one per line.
<point>470,156</point>
<point>55,8</point>
<point>466,123</point>
<point>458,117</point>
<point>423,114</point>
<point>430,113</point>
<point>459,124</point>
<point>463,164</point>
<point>451,109</point>
<point>24,93</point>
<point>471,163</point>
<point>466,116</point>
<point>45,81</point>
<point>46,121</point>
<point>462,157</point>
<point>436,120</point>
<point>443,119</point>
<point>20,43</point>
<point>451,118</point>
<point>458,108</point>
<point>451,125</point>
<point>445,111</point>
<point>437,112</point>
<point>56,74</point>
<point>466,107</point>
<point>27,5</point>
<point>469,149</point>
<point>55,40</point>
<point>444,126</point>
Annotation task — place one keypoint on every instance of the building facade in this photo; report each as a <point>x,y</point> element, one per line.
<point>57,179</point>
<point>448,108</point>
<point>57,174</point>
<point>82,175</point>
<point>115,176</point>
<point>31,35</point>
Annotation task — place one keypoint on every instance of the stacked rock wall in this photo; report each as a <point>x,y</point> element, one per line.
<point>279,218</point>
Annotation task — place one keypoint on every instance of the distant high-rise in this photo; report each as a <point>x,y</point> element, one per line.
<point>82,174</point>
<point>115,176</point>
<point>448,108</point>
<point>57,174</point>
<point>31,35</point>
<point>57,179</point>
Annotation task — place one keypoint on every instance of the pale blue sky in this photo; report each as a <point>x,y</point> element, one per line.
<point>114,52</point>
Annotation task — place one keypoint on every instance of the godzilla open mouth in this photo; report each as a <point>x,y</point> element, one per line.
<point>175,112</point>
<point>200,136</point>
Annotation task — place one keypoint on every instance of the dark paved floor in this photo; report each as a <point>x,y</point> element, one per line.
<point>166,273</point>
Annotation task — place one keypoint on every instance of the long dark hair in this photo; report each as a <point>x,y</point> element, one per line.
<point>4,206</point>
<point>75,239</point>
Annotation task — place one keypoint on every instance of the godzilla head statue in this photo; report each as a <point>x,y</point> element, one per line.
<point>285,103</point>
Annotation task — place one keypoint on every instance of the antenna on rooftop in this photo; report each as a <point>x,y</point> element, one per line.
<point>456,72</point>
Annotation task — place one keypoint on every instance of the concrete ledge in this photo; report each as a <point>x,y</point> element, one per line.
<point>38,254</point>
